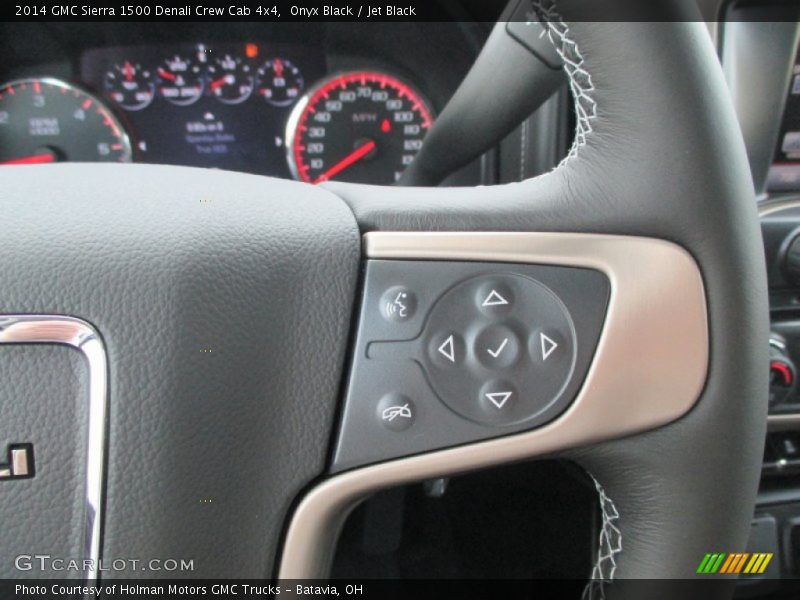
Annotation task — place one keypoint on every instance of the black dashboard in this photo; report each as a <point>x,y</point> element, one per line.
<point>305,101</point>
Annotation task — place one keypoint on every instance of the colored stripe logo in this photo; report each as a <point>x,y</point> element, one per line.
<point>735,563</point>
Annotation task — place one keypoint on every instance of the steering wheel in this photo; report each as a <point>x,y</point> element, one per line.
<point>213,310</point>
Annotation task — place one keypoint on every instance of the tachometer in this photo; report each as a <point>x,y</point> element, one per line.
<point>46,120</point>
<point>362,127</point>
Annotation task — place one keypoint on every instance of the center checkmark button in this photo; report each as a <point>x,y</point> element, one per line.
<point>497,347</point>
<point>500,348</point>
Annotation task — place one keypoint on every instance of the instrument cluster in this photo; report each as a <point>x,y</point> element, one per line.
<point>182,79</point>
<point>259,107</point>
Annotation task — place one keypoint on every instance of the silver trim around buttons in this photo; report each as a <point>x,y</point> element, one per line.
<point>69,331</point>
<point>656,328</point>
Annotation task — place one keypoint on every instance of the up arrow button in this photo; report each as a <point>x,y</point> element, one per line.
<point>494,299</point>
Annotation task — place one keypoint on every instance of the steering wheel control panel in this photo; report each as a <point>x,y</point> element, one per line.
<point>450,352</point>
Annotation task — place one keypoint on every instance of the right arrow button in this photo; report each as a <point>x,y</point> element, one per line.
<point>548,346</point>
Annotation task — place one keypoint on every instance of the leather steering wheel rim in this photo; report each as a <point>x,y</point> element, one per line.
<point>658,153</point>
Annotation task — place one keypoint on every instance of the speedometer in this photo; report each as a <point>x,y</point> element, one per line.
<point>361,127</point>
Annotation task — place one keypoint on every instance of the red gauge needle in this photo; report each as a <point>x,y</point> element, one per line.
<point>128,71</point>
<point>166,75</point>
<point>347,161</point>
<point>33,159</point>
<point>218,83</point>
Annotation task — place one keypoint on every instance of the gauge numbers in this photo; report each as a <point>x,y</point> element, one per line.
<point>361,127</point>
<point>46,120</point>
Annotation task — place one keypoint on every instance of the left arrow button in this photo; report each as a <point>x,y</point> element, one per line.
<point>447,349</point>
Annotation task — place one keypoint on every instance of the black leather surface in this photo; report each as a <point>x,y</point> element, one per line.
<point>44,402</point>
<point>665,158</point>
<point>224,302</point>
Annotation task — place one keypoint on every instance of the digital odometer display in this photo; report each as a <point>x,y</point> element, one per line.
<point>361,127</point>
